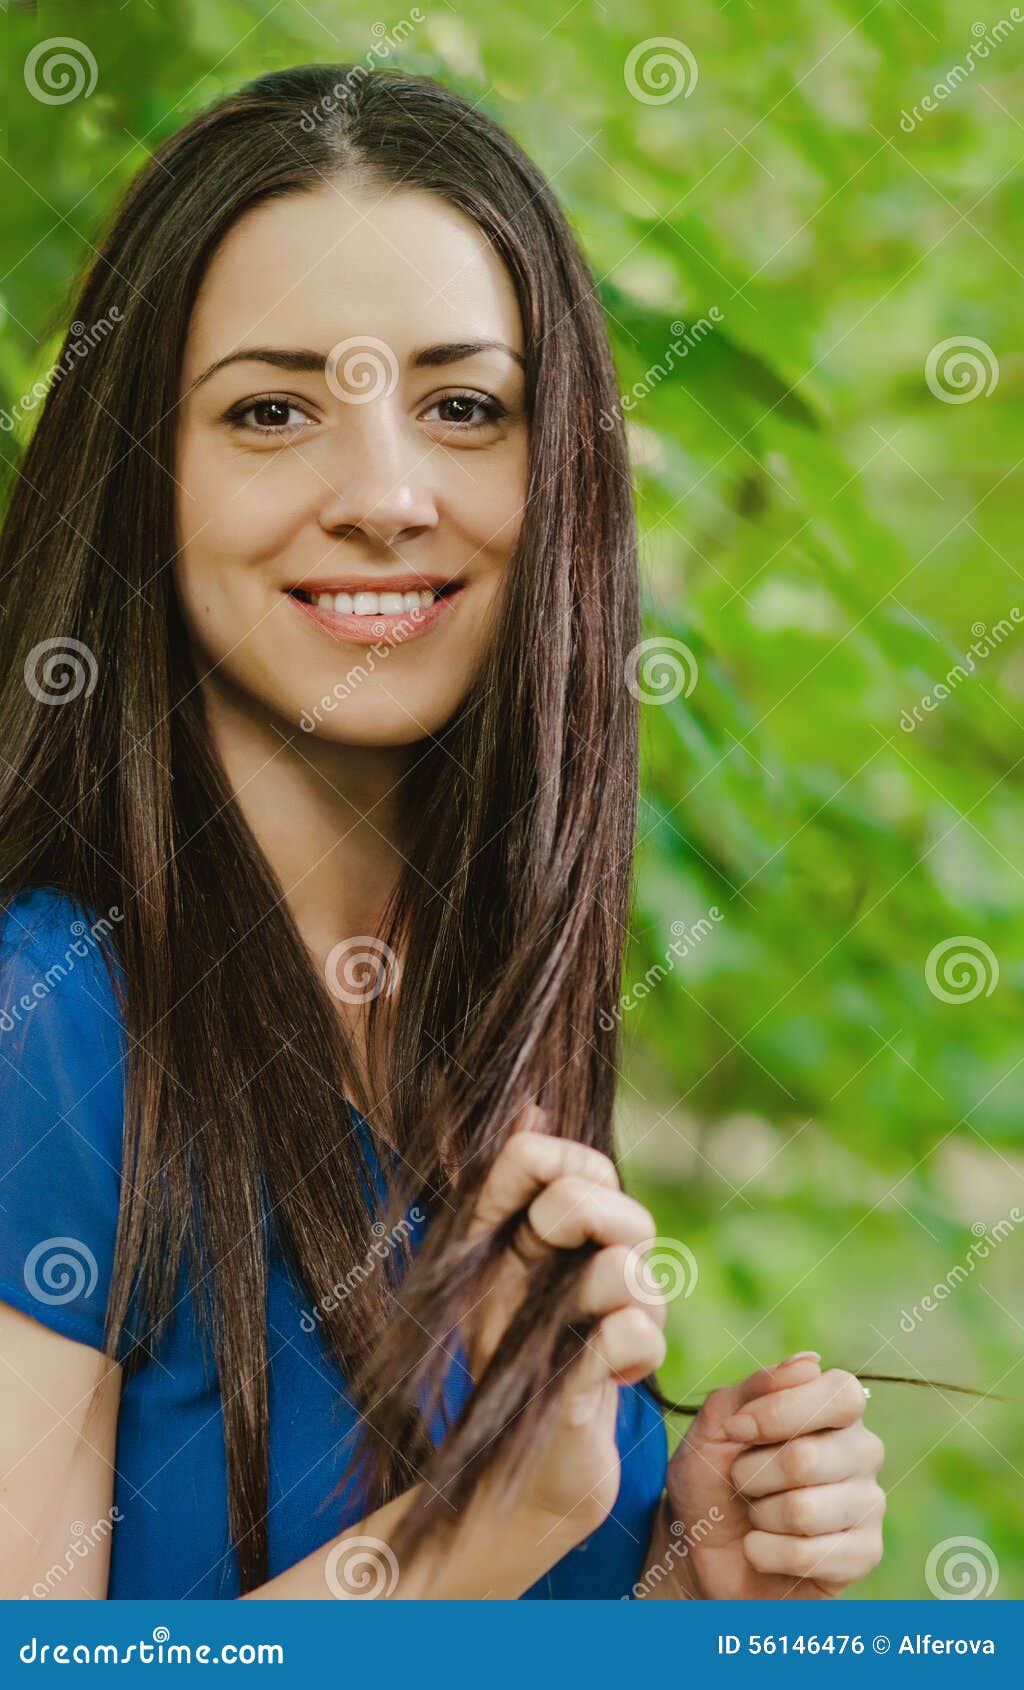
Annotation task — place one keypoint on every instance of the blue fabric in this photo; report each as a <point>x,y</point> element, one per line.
<point>62,1056</point>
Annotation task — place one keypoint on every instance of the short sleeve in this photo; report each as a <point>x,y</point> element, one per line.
<point>61,1114</point>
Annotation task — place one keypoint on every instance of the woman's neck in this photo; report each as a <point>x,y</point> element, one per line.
<point>326,816</point>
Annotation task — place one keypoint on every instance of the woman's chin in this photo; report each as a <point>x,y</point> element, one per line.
<point>383,729</point>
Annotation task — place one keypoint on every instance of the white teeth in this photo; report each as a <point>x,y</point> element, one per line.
<point>373,604</point>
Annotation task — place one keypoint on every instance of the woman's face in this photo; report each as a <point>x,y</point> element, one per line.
<point>352,461</point>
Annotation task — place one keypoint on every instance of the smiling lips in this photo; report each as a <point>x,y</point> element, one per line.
<point>365,612</point>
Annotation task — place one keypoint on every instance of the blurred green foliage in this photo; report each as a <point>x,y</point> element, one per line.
<point>825,532</point>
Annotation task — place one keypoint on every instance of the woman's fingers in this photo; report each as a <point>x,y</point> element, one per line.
<point>722,1404</point>
<point>821,1458</point>
<point>833,1398</point>
<point>813,1510</point>
<point>528,1162</point>
<point>613,1279</point>
<point>573,1209</point>
<point>626,1346</point>
<point>836,1558</point>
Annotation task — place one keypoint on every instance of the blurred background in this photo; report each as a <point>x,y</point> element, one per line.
<point>804,218</point>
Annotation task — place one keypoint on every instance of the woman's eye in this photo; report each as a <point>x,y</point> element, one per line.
<point>268,416</point>
<point>462,406</point>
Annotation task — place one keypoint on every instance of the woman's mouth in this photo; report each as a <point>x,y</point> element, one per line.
<point>376,616</point>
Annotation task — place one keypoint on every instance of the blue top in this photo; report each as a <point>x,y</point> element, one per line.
<point>62,1053</point>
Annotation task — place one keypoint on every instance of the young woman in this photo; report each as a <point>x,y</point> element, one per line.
<point>318,790</point>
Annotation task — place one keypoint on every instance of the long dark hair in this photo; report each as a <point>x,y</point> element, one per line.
<point>520,817</point>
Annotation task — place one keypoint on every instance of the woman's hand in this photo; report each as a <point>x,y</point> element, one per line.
<point>572,1194</point>
<point>785,1470</point>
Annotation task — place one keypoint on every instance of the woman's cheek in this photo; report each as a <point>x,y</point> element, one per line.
<point>490,501</point>
<point>240,504</point>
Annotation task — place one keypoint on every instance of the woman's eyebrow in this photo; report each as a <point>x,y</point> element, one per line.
<point>304,359</point>
<point>452,352</point>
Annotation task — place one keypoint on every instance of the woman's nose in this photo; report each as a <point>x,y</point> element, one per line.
<point>380,481</point>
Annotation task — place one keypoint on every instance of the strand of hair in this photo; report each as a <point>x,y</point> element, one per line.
<point>672,1407</point>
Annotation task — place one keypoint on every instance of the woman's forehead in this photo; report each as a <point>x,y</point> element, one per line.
<point>314,267</point>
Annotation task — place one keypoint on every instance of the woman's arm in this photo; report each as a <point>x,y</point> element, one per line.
<point>572,1195</point>
<point>58,1428</point>
<point>489,1556</point>
<point>668,1573</point>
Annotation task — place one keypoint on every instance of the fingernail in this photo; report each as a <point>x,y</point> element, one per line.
<point>799,1355</point>
<point>741,1427</point>
<point>531,1118</point>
